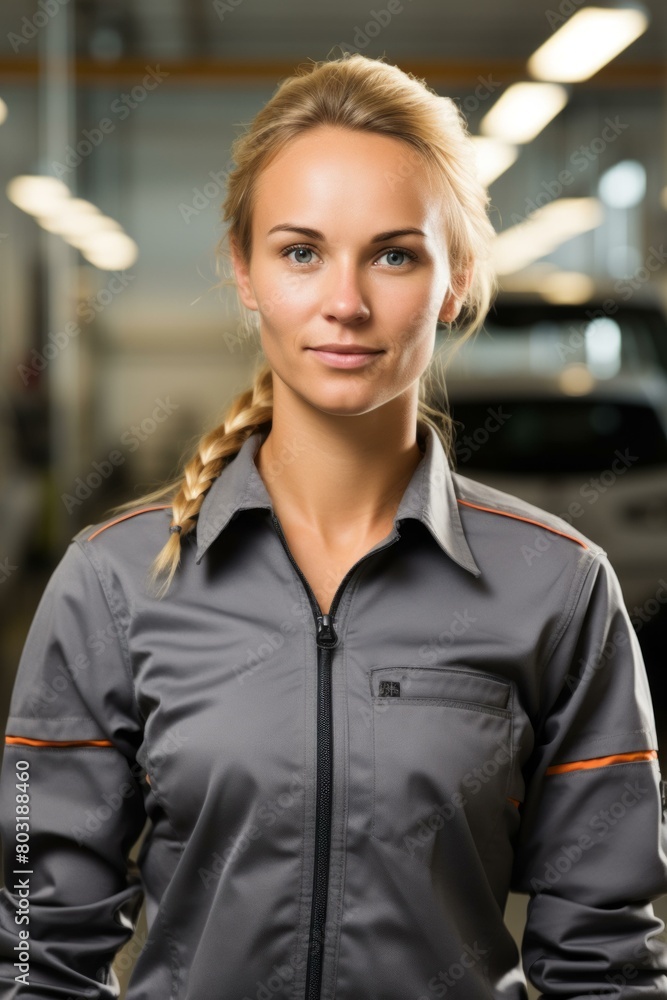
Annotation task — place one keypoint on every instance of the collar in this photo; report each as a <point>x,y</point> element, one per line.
<point>429,496</point>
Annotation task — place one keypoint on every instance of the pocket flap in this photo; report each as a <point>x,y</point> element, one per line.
<point>445,683</point>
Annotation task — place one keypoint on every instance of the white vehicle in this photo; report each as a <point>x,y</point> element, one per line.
<point>593,451</point>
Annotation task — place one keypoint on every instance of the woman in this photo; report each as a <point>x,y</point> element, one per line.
<point>361,714</point>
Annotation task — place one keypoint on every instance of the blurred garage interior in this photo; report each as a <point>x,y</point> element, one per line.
<point>561,399</point>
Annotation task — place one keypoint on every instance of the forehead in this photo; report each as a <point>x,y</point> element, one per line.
<point>333,175</point>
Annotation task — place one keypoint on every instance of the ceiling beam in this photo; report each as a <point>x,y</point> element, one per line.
<point>455,73</point>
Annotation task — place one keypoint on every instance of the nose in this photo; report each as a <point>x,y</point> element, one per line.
<point>344,299</point>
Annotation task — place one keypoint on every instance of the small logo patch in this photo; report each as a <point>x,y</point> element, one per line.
<point>390,689</point>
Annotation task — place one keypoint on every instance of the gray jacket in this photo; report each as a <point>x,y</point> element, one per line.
<point>338,804</point>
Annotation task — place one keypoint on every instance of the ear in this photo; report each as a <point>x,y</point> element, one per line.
<point>242,276</point>
<point>456,293</point>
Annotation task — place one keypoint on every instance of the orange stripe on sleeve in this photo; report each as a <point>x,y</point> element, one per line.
<point>515,801</point>
<point>529,520</point>
<point>125,516</point>
<point>617,758</point>
<point>24,741</point>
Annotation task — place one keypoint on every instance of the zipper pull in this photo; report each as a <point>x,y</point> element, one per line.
<point>326,633</point>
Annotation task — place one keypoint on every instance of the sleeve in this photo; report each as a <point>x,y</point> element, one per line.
<point>71,798</point>
<point>591,849</point>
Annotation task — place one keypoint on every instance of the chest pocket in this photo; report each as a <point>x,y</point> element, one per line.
<point>442,758</point>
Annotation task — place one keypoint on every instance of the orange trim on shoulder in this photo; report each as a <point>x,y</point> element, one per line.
<point>516,802</point>
<point>518,517</point>
<point>24,741</point>
<point>617,758</point>
<point>125,516</point>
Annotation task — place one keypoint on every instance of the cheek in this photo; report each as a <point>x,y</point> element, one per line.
<point>412,305</point>
<point>285,307</point>
<point>416,356</point>
<point>414,331</point>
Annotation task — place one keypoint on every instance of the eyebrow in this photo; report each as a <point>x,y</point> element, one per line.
<point>315,234</point>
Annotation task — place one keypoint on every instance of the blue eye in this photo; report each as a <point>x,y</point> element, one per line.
<point>302,247</point>
<point>289,250</point>
<point>404,253</point>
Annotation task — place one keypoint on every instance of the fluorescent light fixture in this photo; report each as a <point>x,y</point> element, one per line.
<point>623,185</point>
<point>68,215</point>
<point>586,42</point>
<point>523,110</point>
<point>80,232</point>
<point>4,111</point>
<point>100,239</point>
<point>76,206</point>
<point>494,157</point>
<point>36,194</point>
<point>110,251</point>
<point>543,231</point>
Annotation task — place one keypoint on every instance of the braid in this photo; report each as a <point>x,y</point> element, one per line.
<point>249,411</point>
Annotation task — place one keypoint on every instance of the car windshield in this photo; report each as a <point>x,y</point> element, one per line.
<point>541,339</point>
<point>555,436</point>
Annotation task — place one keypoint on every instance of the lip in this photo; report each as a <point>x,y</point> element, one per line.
<point>341,357</point>
<point>345,349</point>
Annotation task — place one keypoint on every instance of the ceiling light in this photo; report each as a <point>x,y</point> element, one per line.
<point>623,185</point>
<point>110,251</point>
<point>494,157</point>
<point>80,231</point>
<point>67,214</point>
<point>543,231</point>
<point>523,110</point>
<point>586,42</point>
<point>36,194</point>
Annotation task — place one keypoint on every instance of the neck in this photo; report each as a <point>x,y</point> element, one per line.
<point>339,478</point>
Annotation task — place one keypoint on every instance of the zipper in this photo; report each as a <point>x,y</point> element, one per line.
<point>326,639</point>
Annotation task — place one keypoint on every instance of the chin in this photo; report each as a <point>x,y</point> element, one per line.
<point>341,403</point>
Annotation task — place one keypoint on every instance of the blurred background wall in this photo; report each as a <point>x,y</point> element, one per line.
<point>117,349</point>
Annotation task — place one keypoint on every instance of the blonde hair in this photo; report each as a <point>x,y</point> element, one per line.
<point>359,93</point>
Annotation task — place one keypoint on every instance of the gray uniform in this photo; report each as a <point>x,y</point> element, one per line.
<point>338,804</point>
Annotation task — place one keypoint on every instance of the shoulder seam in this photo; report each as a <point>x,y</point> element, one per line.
<point>124,517</point>
<point>569,611</point>
<point>567,616</point>
<point>522,517</point>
